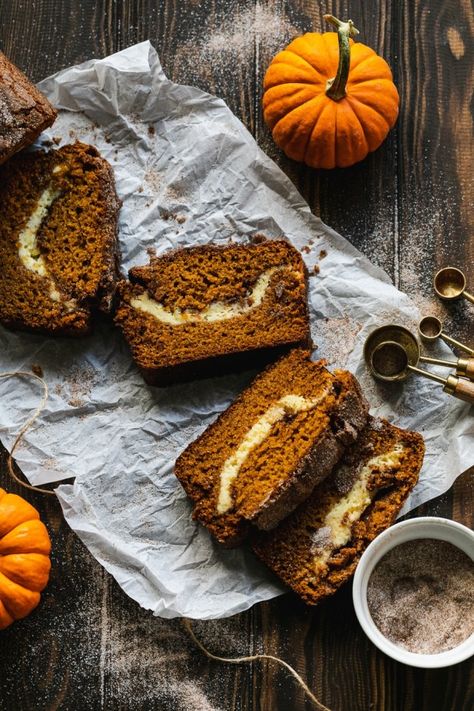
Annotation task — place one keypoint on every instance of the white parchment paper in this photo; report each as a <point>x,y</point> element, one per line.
<point>188,172</point>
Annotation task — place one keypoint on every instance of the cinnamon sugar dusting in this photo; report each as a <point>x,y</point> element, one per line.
<point>336,338</point>
<point>164,670</point>
<point>420,596</point>
<point>231,41</point>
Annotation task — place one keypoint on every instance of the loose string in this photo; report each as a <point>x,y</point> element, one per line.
<point>26,427</point>
<point>254,657</point>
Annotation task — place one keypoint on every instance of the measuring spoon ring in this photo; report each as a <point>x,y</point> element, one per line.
<point>450,284</point>
<point>430,328</point>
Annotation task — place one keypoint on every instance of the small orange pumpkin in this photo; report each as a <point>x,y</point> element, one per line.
<point>24,558</point>
<point>329,101</point>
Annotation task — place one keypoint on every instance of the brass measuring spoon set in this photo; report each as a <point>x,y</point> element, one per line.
<point>392,352</point>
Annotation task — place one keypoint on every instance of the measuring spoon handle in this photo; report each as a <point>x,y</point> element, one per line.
<point>465,367</point>
<point>453,342</point>
<point>468,296</point>
<point>462,389</point>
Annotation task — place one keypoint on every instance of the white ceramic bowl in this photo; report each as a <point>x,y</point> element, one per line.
<point>423,527</point>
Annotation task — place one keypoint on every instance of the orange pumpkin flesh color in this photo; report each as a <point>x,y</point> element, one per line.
<point>24,558</point>
<point>329,101</point>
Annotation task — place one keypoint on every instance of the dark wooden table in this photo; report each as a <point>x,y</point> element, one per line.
<point>409,207</point>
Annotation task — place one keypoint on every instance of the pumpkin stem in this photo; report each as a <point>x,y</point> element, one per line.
<point>336,87</point>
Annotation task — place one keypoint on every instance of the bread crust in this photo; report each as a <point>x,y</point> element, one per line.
<point>346,423</point>
<point>24,111</point>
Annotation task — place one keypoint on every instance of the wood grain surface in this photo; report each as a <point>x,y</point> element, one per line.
<point>409,208</point>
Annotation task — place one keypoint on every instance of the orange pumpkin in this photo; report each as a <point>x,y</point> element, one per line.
<point>24,558</point>
<point>329,101</point>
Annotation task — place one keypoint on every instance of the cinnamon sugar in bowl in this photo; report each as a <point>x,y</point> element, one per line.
<point>413,592</point>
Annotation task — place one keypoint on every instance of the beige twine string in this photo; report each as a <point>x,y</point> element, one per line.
<point>26,426</point>
<point>254,657</point>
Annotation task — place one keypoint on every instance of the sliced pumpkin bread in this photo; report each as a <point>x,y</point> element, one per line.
<point>206,310</point>
<point>58,239</point>
<point>264,455</point>
<point>317,548</point>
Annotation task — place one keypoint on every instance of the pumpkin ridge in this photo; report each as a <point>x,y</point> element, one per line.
<point>296,83</point>
<point>35,530</point>
<point>308,101</point>
<point>375,84</point>
<point>356,81</point>
<point>335,132</point>
<point>38,561</point>
<point>315,121</point>
<point>358,61</point>
<point>323,77</point>
<point>3,601</point>
<point>310,133</point>
<point>362,128</point>
<point>26,600</point>
<point>15,510</point>
<point>353,100</point>
<point>325,107</point>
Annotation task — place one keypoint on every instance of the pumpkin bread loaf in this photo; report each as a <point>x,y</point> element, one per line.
<point>211,309</point>
<point>318,547</point>
<point>58,239</point>
<point>24,111</point>
<point>264,455</point>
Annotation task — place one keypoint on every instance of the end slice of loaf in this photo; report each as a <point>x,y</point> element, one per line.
<point>265,454</point>
<point>317,549</point>
<point>58,239</point>
<point>206,310</point>
<point>24,111</point>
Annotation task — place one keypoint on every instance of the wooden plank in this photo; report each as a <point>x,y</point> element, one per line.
<point>435,185</point>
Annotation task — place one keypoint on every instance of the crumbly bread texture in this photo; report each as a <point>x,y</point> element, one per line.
<point>58,239</point>
<point>264,455</point>
<point>210,309</point>
<point>24,111</point>
<point>318,547</point>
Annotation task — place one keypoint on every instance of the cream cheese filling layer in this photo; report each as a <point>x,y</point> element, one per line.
<point>28,248</point>
<point>289,404</point>
<point>336,530</point>
<point>215,311</point>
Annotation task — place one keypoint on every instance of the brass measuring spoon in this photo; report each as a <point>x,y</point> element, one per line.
<point>389,361</point>
<point>405,338</point>
<point>450,284</point>
<point>430,328</point>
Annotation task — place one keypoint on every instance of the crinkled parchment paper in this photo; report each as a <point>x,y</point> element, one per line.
<point>188,173</point>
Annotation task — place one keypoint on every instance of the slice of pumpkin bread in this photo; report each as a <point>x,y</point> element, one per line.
<point>205,310</point>
<point>24,111</point>
<point>264,455</point>
<point>58,239</point>
<point>318,547</point>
